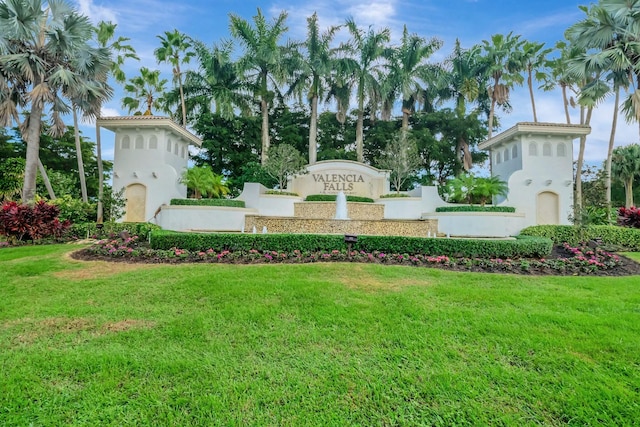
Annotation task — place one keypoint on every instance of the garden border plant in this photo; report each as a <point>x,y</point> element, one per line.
<point>579,260</point>
<point>612,236</point>
<point>475,208</point>
<point>208,202</point>
<point>333,197</point>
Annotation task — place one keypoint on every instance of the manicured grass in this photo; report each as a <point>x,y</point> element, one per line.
<point>312,344</point>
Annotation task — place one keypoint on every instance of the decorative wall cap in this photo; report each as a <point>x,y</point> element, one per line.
<point>541,129</point>
<point>154,122</point>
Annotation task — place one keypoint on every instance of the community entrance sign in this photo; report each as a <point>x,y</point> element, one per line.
<point>332,177</point>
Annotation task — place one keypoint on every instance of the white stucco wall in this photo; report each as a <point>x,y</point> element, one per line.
<point>478,224</point>
<point>255,197</point>
<point>203,218</point>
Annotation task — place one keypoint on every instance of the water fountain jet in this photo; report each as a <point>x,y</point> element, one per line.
<point>341,206</point>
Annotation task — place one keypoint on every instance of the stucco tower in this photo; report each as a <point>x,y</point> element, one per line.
<point>536,160</point>
<point>150,154</point>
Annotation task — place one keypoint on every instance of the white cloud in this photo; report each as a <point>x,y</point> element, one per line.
<point>109,112</point>
<point>96,13</point>
<point>377,14</point>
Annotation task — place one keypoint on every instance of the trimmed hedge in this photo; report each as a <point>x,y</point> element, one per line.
<point>394,195</point>
<point>208,202</point>
<point>612,235</point>
<point>472,208</point>
<point>280,193</point>
<point>332,198</point>
<point>81,231</point>
<point>472,248</point>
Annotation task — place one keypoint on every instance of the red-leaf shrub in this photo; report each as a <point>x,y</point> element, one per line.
<point>23,222</point>
<point>629,217</point>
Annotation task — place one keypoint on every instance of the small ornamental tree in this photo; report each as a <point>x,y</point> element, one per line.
<point>401,157</point>
<point>467,188</point>
<point>284,161</point>
<point>203,182</point>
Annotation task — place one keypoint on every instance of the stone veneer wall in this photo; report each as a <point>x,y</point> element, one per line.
<point>327,210</point>
<point>409,228</point>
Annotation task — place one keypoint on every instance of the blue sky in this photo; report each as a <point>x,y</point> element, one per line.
<point>469,20</point>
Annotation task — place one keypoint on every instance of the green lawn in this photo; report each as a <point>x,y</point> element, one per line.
<point>314,344</point>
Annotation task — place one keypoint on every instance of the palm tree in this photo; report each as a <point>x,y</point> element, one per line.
<point>147,88</point>
<point>45,56</point>
<point>618,80</point>
<point>368,48</point>
<point>312,72</point>
<point>174,50</point>
<point>261,62</point>
<point>216,87</point>
<point>503,66</point>
<point>608,52</point>
<point>608,34</point>
<point>460,81</point>
<point>626,167</point>
<point>559,75</point>
<point>409,72</point>
<point>202,181</point>
<point>534,60</point>
<point>105,33</point>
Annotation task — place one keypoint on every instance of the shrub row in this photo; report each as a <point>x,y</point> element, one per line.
<point>520,247</point>
<point>208,202</point>
<point>89,229</point>
<point>280,193</point>
<point>394,195</point>
<point>611,235</point>
<point>475,208</point>
<point>332,198</point>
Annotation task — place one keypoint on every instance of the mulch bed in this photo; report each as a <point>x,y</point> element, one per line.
<point>626,267</point>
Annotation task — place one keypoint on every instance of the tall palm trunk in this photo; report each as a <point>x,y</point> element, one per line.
<point>313,130</point>
<point>45,179</point>
<point>359,131</point>
<point>100,206</point>
<point>32,136</point>
<point>493,108</point>
<point>405,120</point>
<point>612,138</point>
<point>490,130</point>
<point>579,164</point>
<point>533,101</point>
<point>565,101</point>
<point>628,191</point>
<point>81,175</point>
<point>264,106</point>
<point>182,103</point>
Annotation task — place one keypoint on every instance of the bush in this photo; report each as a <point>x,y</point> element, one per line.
<point>472,208</point>
<point>593,215</point>
<point>280,193</point>
<point>74,210</point>
<point>467,188</point>
<point>23,222</point>
<point>332,198</point>
<point>629,217</point>
<point>89,229</point>
<point>394,195</point>
<point>208,202</point>
<point>520,247</point>
<point>611,235</point>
